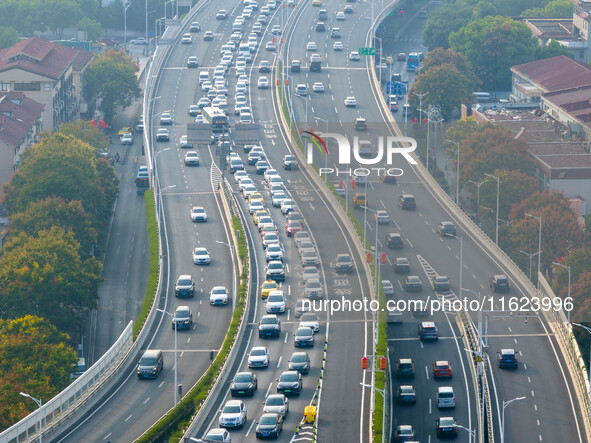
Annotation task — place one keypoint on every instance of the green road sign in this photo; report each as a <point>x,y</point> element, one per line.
<point>367,51</point>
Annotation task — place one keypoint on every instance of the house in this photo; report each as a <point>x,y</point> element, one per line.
<point>50,74</point>
<point>20,124</point>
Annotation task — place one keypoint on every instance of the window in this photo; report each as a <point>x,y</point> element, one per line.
<point>4,86</point>
<point>47,87</point>
<point>32,86</point>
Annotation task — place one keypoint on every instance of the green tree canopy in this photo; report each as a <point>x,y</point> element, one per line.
<point>465,128</point>
<point>552,49</point>
<point>556,8</point>
<point>55,211</point>
<point>492,45</point>
<point>61,14</point>
<point>83,130</point>
<point>44,275</point>
<point>560,229</point>
<point>440,57</point>
<point>91,27</point>
<point>443,21</point>
<point>34,358</point>
<point>111,80</point>
<point>8,37</point>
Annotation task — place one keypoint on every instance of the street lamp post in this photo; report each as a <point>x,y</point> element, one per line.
<point>497,178</point>
<point>568,269</point>
<point>586,328</point>
<point>420,96</point>
<point>472,432</point>
<point>125,25</point>
<point>457,171</point>
<point>233,272</point>
<point>478,185</point>
<point>175,353</point>
<point>505,404</point>
<point>539,219</point>
<point>39,403</point>
<point>530,256</point>
<point>383,394</point>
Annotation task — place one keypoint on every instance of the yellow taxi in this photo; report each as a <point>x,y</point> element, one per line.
<point>258,214</point>
<point>255,196</point>
<point>124,130</point>
<point>268,286</point>
<point>316,3</point>
<point>389,60</point>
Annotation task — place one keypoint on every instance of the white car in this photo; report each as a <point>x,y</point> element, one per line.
<point>313,289</point>
<point>259,357</point>
<point>382,217</point>
<point>276,30</point>
<point>311,46</point>
<point>186,39</point>
<point>198,214</point>
<point>247,13</point>
<point>287,206</point>
<point>201,256</point>
<point>166,118</point>
<point>340,15</point>
<point>277,189</point>
<point>354,56</point>
<point>310,320</point>
<point>218,434</point>
<point>270,46</point>
<point>275,302</point>
<point>275,180</point>
<point>337,46</point>
<point>244,79</point>
<point>244,182</point>
<point>270,239</point>
<point>318,87</point>
<point>388,287</point>
<point>241,87</point>
<point>218,295</point>
<point>239,175</point>
<point>309,258</point>
<point>277,198</point>
<point>270,172</point>
<point>263,83</point>
<point>310,273</point>
<point>351,102</point>
<point>248,189</point>
<point>206,86</point>
<point>254,206</point>
<point>274,252</point>
<point>233,414</point>
<point>302,236</point>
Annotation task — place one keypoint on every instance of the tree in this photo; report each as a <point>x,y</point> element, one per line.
<point>579,261</point>
<point>552,49</point>
<point>34,358</point>
<point>61,14</point>
<point>514,186</point>
<point>439,57</point>
<point>493,149</point>
<point>492,45</point>
<point>55,211</point>
<point>8,37</point>
<point>83,130</point>
<point>111,80</point>
<point>44,275</point>
<point>464,128</point>
<point>515,7</point>
<point>91,27</point>
<point>556,8</point>
<point>560,229</point>
<point>443,21</point>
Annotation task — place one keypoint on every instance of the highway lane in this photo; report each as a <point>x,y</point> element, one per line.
<point>138,403</point>
<point>477,268</point>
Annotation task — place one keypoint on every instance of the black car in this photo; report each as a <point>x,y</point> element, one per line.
<point>289,383</point>
<point>406,394</point>
<point>413,283</point>
<point>394,240</point>
<point>446,427</point>
<point>299,361</point>
<point>290,162</point>
<point>441,283</point>
<point>360,124</point>
<point>344,264</point>
<point>295,66</point>
<point>270,425</point>
<point>320,27</point>
<point>428,331</point>
<point>404,367</point>
<point>446,229</point>
<point>261,166</point>
<point>335,33</point>
<point>304,336</point>
<point>264,66</point>
<point>407,201</point>
<point>401,265</point>
<point>269,326</point>
<point>244,383</point>
<point>499,283</point>
<point>507,358</point>
<point>162,135</point>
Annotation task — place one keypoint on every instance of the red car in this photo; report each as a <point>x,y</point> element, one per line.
<point>292,226</point>
<point>441,368</point>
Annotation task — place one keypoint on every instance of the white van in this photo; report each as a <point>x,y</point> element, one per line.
<point>203,77</point>
<point>446,397</point>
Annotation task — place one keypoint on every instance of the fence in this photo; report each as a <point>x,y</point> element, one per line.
<point>59,408</point>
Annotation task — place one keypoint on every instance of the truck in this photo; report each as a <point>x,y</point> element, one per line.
<point>359,199</point>
<point>412,61</point>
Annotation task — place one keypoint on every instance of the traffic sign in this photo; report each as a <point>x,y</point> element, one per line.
<point>478,358</point>
<point>367,51</point>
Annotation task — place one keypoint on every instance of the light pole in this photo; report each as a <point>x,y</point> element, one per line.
<point>420,96</point>
<point>233,272</point>
<point>39,403</point>
<point>326,156</point>
<point>478,185</point>
<point>530,256</point>
<point>383,394</point>
<point>471,431</point>
<point>175,352</point>
<point>568,269</point>
<point>505,404</point>
<point>127,5</point>
<point>497,178</point>
<point>589,365</point>
<point>539,219</point>
<point>457,171</point>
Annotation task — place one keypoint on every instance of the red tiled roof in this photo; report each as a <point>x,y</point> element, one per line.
<point>556,73</point>
<point>17,115</point>
<point>81,59</point>
<point>38,56</point>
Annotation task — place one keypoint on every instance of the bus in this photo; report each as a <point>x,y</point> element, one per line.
<point>412,61</point>
<point>482,97</point>
<point>217,119</point>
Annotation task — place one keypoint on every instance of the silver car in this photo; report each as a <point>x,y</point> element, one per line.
<point>313,289</point>
<point>309,258</point>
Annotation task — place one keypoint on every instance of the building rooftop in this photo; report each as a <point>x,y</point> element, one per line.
<point>547,28</point>
<point>555,73</point>
<point>17,115</point>
<point>575,101</point>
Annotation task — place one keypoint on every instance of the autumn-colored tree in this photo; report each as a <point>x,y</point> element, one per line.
<point>34,358</point>
<point>579,291</point>
<point>464,128</point>
<point>91,134</point>
<point>55,211</point>
<point>111,80</point>
<point>561,232</point>
<point>493,149</point>
<point>44,275</point>
<point>579,261</point>
<point>439,57</point>
<point>492,45</point>
<point>514,186</point>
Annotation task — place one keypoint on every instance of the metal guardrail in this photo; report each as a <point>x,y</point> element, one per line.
<point>63,405</point>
